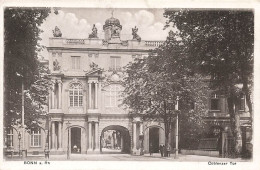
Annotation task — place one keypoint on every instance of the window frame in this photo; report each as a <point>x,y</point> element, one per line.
<point>10,135</point>
<point>113,93</point>
<point>75,62</point>
<point>33,138</point>
<point>215,97</point>
<point>76,92</point>
<point>116,65</point>
<point>243,97</point>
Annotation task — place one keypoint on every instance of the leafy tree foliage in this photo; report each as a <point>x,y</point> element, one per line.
<point>21,47</point>
<point>152,85</point>
<point>220,44</point>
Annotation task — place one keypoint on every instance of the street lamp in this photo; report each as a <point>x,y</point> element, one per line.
<point>68,150</point>
<point>177,126</point>
<point>19,138</point>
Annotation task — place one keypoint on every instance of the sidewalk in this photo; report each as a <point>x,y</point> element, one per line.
<point>128,157</point>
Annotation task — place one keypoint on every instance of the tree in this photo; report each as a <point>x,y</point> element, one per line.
<point>220,44</point>
<point>21,65</point>
<point>152,85</point>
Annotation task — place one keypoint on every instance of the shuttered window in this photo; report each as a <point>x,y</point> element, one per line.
<point>115,63</point>
<point>75,62</point>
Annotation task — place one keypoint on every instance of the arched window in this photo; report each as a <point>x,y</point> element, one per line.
<point>75,95</point>
<point>113,93</point>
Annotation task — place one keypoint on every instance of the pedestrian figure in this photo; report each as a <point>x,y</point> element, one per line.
<point>151,149</point>
<point>75,148</point>
<point>47,153</point>
<point>161,150</point>
<point>168,150</point>
<point>164,151</point>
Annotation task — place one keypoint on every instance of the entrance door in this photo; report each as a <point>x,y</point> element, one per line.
<point>154,139</point>
<point>75,140</point>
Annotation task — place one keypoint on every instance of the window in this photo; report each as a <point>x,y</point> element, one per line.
<point>75,95</point>
<point>10,136</point>
<point>75,61</point>
<point>214,103</point>
<point>115,63</point>
<point>242,103</point>
<point>36,137</point>
<point>113,96</point>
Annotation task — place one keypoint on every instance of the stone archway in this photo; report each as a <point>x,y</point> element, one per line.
<point>115,139</point>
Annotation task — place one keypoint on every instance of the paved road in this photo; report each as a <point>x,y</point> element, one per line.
<point>128,157</point>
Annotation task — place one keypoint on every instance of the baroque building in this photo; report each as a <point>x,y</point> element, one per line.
<point>83,106</point>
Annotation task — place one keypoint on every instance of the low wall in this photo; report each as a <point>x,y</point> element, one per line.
<point>200,152</point>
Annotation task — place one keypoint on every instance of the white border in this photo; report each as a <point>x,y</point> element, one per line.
<point>254,165</point>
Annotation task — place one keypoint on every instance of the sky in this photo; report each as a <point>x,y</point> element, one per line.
<point>78,23</point>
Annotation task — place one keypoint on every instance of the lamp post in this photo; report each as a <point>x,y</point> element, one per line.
<point>19,138</point>
<point>177,128</point>
<point>68,150</point>
<point>23,139</point>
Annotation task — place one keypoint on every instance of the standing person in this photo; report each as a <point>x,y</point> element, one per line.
<point>219,147</point>
<point>168,150</point>
<point>161,150</point>
<point>151,149</point>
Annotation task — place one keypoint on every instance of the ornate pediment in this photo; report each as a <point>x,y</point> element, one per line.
<point>94,73</point>
<point>112,77</point>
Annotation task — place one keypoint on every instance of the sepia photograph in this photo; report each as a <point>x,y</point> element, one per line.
<point>128,84</point>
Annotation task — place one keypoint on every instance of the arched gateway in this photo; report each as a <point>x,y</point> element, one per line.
<point>115,139</point>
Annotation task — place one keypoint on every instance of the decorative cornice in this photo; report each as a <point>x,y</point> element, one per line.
<point>100,49</point>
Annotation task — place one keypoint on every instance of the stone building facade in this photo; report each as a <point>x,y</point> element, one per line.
<point>86,75</point>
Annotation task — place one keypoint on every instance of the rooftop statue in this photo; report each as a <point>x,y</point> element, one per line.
<point>57,32</point>
<point>94,32</point>
<point>135,35</point>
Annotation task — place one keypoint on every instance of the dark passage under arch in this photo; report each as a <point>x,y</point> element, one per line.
<point>115,139</point>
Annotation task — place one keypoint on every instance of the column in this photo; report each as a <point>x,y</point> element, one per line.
<point>99,95</point>
<point>122,143</point>
<point>49,97</point>
<point>96,95</point>
<point>89,95</point>
<point>96,136</point>
<point>53,135</point>
<point>53,97</point>
<point>60,94</point>
<point>89,136</point>
<point>134,136</point>
<point>141,128</point>
<point>59,138</point>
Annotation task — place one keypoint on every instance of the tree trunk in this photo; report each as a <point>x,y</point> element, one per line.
<point>166,132</point>
<point>235,125</point>
<point>248,98</point>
